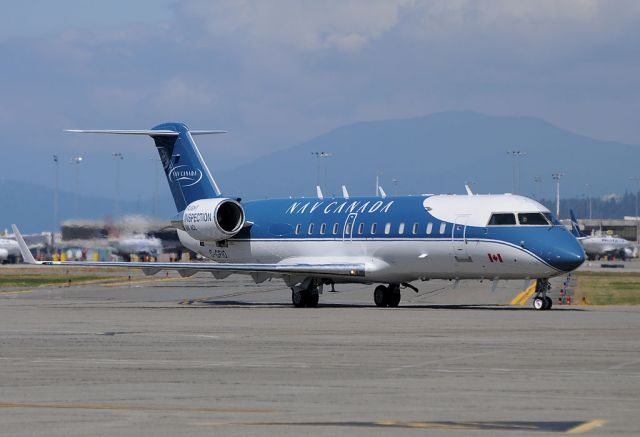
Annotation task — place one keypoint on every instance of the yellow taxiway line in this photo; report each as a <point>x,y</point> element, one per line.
<point>587,426</point>
<point>523,296</point>
<point>4,292</point>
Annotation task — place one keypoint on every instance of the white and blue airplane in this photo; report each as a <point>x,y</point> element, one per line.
<point>597,246</point>
<point>312,242</point>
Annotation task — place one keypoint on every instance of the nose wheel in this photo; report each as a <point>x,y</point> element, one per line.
<point>542,302</point>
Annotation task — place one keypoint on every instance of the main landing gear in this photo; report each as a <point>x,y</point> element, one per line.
<point>306,294</point>
<point>387,296</point>
<point>541,301</point>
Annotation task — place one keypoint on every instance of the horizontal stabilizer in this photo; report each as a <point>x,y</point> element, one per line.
<point>160,133</point>
<point>150,132</point>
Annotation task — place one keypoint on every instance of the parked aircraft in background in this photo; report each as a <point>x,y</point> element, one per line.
<point>392,241</point>
<point>599,246</point>
<point>9,250</point>
<point>137,244</point>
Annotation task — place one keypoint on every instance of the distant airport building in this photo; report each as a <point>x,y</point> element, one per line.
<point>626,228</point>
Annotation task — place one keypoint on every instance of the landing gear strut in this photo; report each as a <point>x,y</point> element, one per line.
<point>541,301</point>
<point>306,294</point>
<point>387,296</point>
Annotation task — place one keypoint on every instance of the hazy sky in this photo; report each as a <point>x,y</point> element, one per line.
<point>275,73</point>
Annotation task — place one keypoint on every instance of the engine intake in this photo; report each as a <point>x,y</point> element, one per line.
<point>213,219</point>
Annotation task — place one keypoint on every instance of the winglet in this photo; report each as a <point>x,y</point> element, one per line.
<point>24,250</point>
<point>319,192</point>
<point>382,193</point>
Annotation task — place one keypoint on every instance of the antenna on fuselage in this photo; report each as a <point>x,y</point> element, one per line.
<point>345,193</point>
<point>382,193</point>
<point>468,188</point>
<point>319,192</point>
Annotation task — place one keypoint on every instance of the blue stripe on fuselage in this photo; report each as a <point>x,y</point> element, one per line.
<point>278,218</point>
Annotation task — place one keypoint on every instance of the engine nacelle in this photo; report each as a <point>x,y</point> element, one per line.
<point>213,219</point>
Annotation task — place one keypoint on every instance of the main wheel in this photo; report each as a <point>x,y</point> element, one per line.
<point>312,299</point>
<point>549,302</point>
<point>393,299</point>
<point>298,298</point>
<point>539,303</point>
<point>380,296</point>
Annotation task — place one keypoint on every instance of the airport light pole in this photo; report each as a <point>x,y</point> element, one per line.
<point>319,156</point>
<point>537,180</point>
<point>378,174</point>
<point>116,203</point>
<point>637,179</point>
<point>395,181</point>
<point>589,186</point>
<point>556,177</point>
<point>155,186</point>
<point>516,176</point>
<point>55,194</point>
<point>77,160</point>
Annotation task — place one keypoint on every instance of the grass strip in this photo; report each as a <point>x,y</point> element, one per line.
<point>607,288</point>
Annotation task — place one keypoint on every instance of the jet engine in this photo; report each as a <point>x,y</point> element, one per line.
<point>212,219</point>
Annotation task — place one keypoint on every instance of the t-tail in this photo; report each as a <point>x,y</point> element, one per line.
<point>575,229</point>
<point>188,176</point>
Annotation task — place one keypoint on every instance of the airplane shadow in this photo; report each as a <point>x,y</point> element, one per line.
<point>450,307</point>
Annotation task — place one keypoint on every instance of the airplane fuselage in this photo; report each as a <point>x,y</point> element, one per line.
<point>401,239</point>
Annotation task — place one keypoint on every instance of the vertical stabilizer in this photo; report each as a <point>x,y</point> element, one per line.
<point>575,229</point>
<point>187,174</point>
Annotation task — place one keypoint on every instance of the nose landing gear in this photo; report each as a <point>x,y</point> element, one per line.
<point>542,302</point>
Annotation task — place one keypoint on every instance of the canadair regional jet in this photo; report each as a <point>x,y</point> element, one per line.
<point>312,242</point>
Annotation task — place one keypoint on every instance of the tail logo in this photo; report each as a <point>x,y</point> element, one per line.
<point>185,175</point>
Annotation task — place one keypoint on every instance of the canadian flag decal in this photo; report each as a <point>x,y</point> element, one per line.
<point>495,258</point>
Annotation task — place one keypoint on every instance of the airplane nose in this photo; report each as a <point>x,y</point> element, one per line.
<point>568,260</point>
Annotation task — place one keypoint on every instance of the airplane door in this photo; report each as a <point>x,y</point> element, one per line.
<point>459,239</point>
<point>347,230</point>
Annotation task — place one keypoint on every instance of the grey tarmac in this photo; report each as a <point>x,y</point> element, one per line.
<point>168,356</point>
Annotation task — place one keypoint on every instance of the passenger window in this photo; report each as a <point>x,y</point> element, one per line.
<point>310,230</point>
<point>335,228</point>
<point>374,228</point>
<point>532,218</point>
<point>502,219</point>
<point>298,228</point>
<point>323,228</point>
<point>443,227</point>
<point>387,228</point>
<point>347,228</point>
<point>429,228</point>
<point>401,229</point>
<point>414,230</point>
<point>360,228</point>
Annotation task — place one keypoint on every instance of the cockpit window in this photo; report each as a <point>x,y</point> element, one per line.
<point>551,218</point>
<point>502,219</point>
<point>532,218</point>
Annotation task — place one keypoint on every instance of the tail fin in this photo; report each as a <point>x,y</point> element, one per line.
<point>188,176</point>
<point>575,229</point>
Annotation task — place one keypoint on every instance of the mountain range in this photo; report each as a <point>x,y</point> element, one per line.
<point>437,153</point>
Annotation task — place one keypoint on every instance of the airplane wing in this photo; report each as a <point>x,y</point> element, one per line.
<point>188,269</point>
